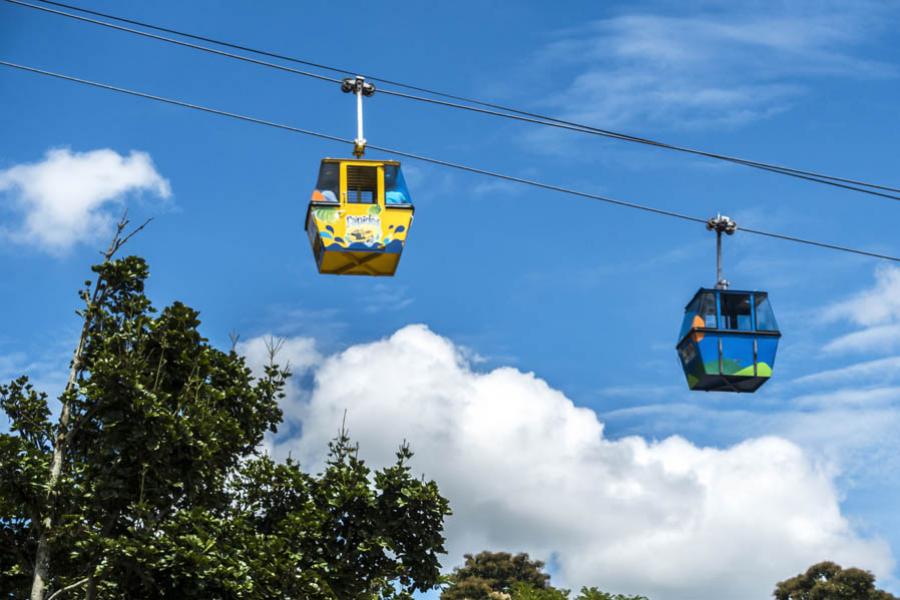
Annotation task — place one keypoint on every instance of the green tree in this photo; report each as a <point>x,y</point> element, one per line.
<point>828,581</point>
<point>150,484</point>
<point>523,591</point>
<point>488,572</point>
<point>592,593</point>
<point>503,576</point>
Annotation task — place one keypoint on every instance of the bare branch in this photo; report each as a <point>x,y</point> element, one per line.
<point>133,232</point>
<point>117,236</point>
<point>235,337</point>
<point>273,347</point>
<point>344,432</point>
<point>68,587</point>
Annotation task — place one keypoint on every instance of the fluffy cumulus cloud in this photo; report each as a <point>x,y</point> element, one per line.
<point>527,470</point>
<point>66,198</point>
<point>876,311</point>
<point>727,66</point>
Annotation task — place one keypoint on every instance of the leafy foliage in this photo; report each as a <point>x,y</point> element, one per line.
<point>592,593</point>
<point>523,591</point>
<point>828,581</point>
<point>162,492</point>
<point>488,572</point>
<point>503,576</point>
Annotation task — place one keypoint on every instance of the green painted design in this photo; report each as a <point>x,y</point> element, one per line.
<point>734,367</point>
<point>326,215</point>
<point>731,367</point>
<point>375,210</point>
<point>762,370</point>
<point>692,380</point>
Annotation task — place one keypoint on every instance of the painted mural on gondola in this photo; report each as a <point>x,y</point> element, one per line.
<point>359,217</point>
<point>360,227</point>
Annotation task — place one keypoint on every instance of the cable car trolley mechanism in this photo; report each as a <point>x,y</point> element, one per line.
<point>360,212</point>
<point>728,338</point>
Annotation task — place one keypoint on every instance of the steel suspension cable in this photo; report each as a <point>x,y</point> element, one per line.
<point>162,38</point>
<point>508,112</point>
<point>441,162</point>
<point>834,182</point>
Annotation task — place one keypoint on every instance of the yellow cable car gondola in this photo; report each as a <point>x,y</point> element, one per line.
<point>360,212</point>
<point>359,216</point>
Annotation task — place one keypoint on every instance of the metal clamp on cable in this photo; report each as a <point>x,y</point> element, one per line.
<point>720,224</point>
<point>360,87</point>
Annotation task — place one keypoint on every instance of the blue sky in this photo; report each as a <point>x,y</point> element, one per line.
<point>501,281</point>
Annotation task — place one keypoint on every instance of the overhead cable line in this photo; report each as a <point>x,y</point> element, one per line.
<point>444,163</point>
<point>816,178</point>
<point>161,38</point>
<point>507,112</point>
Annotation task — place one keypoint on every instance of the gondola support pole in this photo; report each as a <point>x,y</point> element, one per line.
<point>721,224</point>
<point>360,87</point>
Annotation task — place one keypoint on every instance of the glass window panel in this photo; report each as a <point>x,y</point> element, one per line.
<point>362,184</point>
<point>765,316</point>
<point>736,312</point>
<point>707,310</point>
<point>686,324</point>
<point>689,313</point>
<point>328,184</point>
<point>395,191</point>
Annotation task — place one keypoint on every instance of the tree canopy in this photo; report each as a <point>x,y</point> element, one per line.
<point>828,581</point>
<point>504,576</point>
<point>151,485</point>
<point>488,572</point>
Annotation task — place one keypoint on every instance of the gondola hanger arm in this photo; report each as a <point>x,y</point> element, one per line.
<point>359,86</point>
<point>721,224</point>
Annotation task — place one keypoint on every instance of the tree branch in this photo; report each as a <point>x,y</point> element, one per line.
<point>134,232</point>
<point>68,587</point>
<point>63,433</point>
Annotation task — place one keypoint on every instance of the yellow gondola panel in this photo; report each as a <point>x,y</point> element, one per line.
<point>359,217</point>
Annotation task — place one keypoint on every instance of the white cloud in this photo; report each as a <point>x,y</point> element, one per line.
<point>526,469</point>
<point>873,371</point>
<point>850,397</point>
<point>875,306</point>
<point>495,187</point>
<point>386,297</point>
<point>298,354</point>
<point>721,68</point>
<point>881,337</point>
<point>65,199</point>
<point>44,361</point>
<point>877,310</point>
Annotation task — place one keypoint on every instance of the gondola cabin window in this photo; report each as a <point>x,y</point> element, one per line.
<point>328,186</point>
<point>395,191</point>
<point>736,313</point>
<point>765,316</point>
<point>362,184</point>
<point>701,312</point>
<point>707,311</point>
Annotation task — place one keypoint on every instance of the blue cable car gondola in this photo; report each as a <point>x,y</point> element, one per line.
<point>728,338</point>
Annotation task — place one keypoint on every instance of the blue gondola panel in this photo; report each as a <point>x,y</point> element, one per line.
<point>728,341</point>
